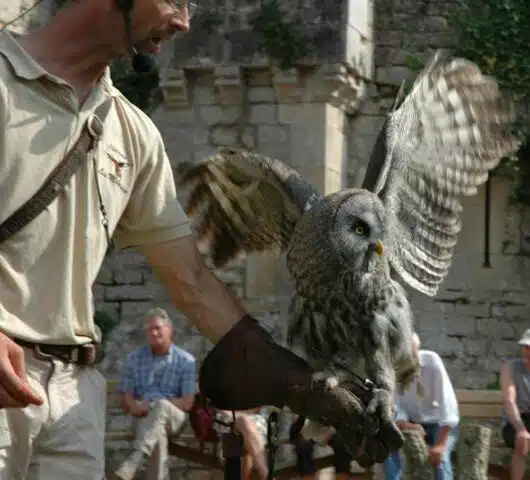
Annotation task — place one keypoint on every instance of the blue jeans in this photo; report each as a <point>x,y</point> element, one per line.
<point>444,471</point>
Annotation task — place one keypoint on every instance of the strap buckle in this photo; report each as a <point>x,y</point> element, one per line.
<point>94,126</point>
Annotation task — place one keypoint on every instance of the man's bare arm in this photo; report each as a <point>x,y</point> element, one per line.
<point>508,396</point>
<point>193,287</point>
<point>184,403</point>
<point>130,405</point>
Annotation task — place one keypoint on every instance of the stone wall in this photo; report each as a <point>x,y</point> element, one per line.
<point>298,116</point>
<point>479,312</point>
<point>475,319</point>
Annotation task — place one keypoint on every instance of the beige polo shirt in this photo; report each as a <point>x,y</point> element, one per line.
<point>47,269</point>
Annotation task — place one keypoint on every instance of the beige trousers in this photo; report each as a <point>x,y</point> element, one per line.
<point>64,437</point>
<point>164,420</point>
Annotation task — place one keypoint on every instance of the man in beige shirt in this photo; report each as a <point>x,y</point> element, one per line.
<point>51,82</point>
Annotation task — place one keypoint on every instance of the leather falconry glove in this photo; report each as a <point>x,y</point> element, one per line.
<point>248,369</point>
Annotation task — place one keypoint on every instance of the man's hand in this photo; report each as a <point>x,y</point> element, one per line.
<point>246,369</point>
<point>521,442</point>
<point>435,454</point>
<point>15,390</point>
<point>140,408</point>
<point>418,427</point>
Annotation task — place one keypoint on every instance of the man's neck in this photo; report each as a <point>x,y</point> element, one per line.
<point>161,351</point>
<point>64,49</point>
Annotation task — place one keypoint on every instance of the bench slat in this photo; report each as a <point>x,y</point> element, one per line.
<point>479,396</point>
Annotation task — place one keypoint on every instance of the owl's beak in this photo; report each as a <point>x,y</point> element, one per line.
<point>378,247</point>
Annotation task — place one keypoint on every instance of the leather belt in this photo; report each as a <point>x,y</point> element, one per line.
<point>88,354</point>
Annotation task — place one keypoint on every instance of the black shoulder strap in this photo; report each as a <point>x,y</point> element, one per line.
<point>57,180</point>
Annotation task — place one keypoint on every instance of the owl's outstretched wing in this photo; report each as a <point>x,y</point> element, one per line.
<point>440,144</point>
<point>245,202</point>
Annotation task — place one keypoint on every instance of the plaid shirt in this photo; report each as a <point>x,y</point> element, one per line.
<point>149,377</point>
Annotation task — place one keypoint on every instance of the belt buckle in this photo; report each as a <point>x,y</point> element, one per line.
<point>73,357</point>
<point>88,354</point>
<point>40,354</point>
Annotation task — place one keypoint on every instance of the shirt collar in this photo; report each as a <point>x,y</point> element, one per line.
<point>24,66</point>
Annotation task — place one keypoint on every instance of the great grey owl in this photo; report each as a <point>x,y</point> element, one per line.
<point>350,315</point>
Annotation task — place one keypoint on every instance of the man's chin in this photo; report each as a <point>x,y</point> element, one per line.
<point>149,47</point>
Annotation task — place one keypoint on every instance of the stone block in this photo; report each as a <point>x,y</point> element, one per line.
<point>175,89</point>
<point>272,134</point>
<point>394,75</point>
<point>367,127</point>
<point>129,276</point>
<point>204,95</point>
<point>505,348</point>
<point>262,114</point>
<point>224,136</point>
<point>477,310</point>
<point>105,275</point>
<point>214,114</point>
<point>256,95</point>
<point>229,84</point>
<point>98,293</point>
<point>476,347</point>
<point>135,309</point>
<point>128,292</point>
<point>287,86</point>
<point>460,325</point>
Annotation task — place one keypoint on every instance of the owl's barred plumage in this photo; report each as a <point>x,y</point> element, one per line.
<point>350,314</point>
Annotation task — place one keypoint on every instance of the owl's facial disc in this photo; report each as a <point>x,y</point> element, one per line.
<point>359,231</point>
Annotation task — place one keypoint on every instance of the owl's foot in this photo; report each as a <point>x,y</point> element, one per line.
<point>320,434</point>
<point>381,404</point>
<point>388,438</point>
<point>247,369</point>
<point>322,380</point>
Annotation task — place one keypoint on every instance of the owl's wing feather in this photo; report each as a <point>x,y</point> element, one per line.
<point>439,145</point>
<point>245,202</point>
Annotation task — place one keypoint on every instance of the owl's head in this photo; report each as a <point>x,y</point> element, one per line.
<point>343,232</point>
<point>358,231</point>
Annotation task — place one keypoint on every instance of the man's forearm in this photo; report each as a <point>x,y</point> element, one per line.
<point>194,288</point>
<point>183,403</point>
<point>128,402</point>
<point>514,417</point>
<point>443,435</point>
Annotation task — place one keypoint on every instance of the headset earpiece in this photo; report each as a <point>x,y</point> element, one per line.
<point>125,6</point>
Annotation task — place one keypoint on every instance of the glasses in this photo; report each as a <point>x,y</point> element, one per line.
<point>182,4</point>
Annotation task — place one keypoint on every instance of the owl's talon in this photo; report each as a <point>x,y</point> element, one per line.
<point>321,381</point>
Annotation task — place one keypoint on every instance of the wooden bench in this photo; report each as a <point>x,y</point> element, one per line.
<point>479,437</point>
<point>186,447</point>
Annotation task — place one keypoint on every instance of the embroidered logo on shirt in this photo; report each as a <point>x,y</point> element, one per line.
<point>112,168</point>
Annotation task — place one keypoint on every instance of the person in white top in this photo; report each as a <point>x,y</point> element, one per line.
<point>430,406</point>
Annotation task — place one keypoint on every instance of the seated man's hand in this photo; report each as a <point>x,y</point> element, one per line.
<point>435,454</point>
<point>418,427</point>
<point>247,369</point>
<point>140,408</point>
<point>521,442</point>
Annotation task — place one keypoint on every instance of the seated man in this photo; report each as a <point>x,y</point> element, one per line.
<point>430,406</point>
<point>305,462</point>
<point>158,383</point>
<point>252,425</point>
<point>515,385</point>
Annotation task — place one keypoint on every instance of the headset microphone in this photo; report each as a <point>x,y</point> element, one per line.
<point>142,63</point>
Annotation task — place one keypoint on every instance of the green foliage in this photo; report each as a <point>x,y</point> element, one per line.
<point>283,38</point>
<point>142,89</point>
<point>495,35</point>
<point>105,322</point>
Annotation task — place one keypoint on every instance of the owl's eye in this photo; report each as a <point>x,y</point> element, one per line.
<point>359,230</point>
